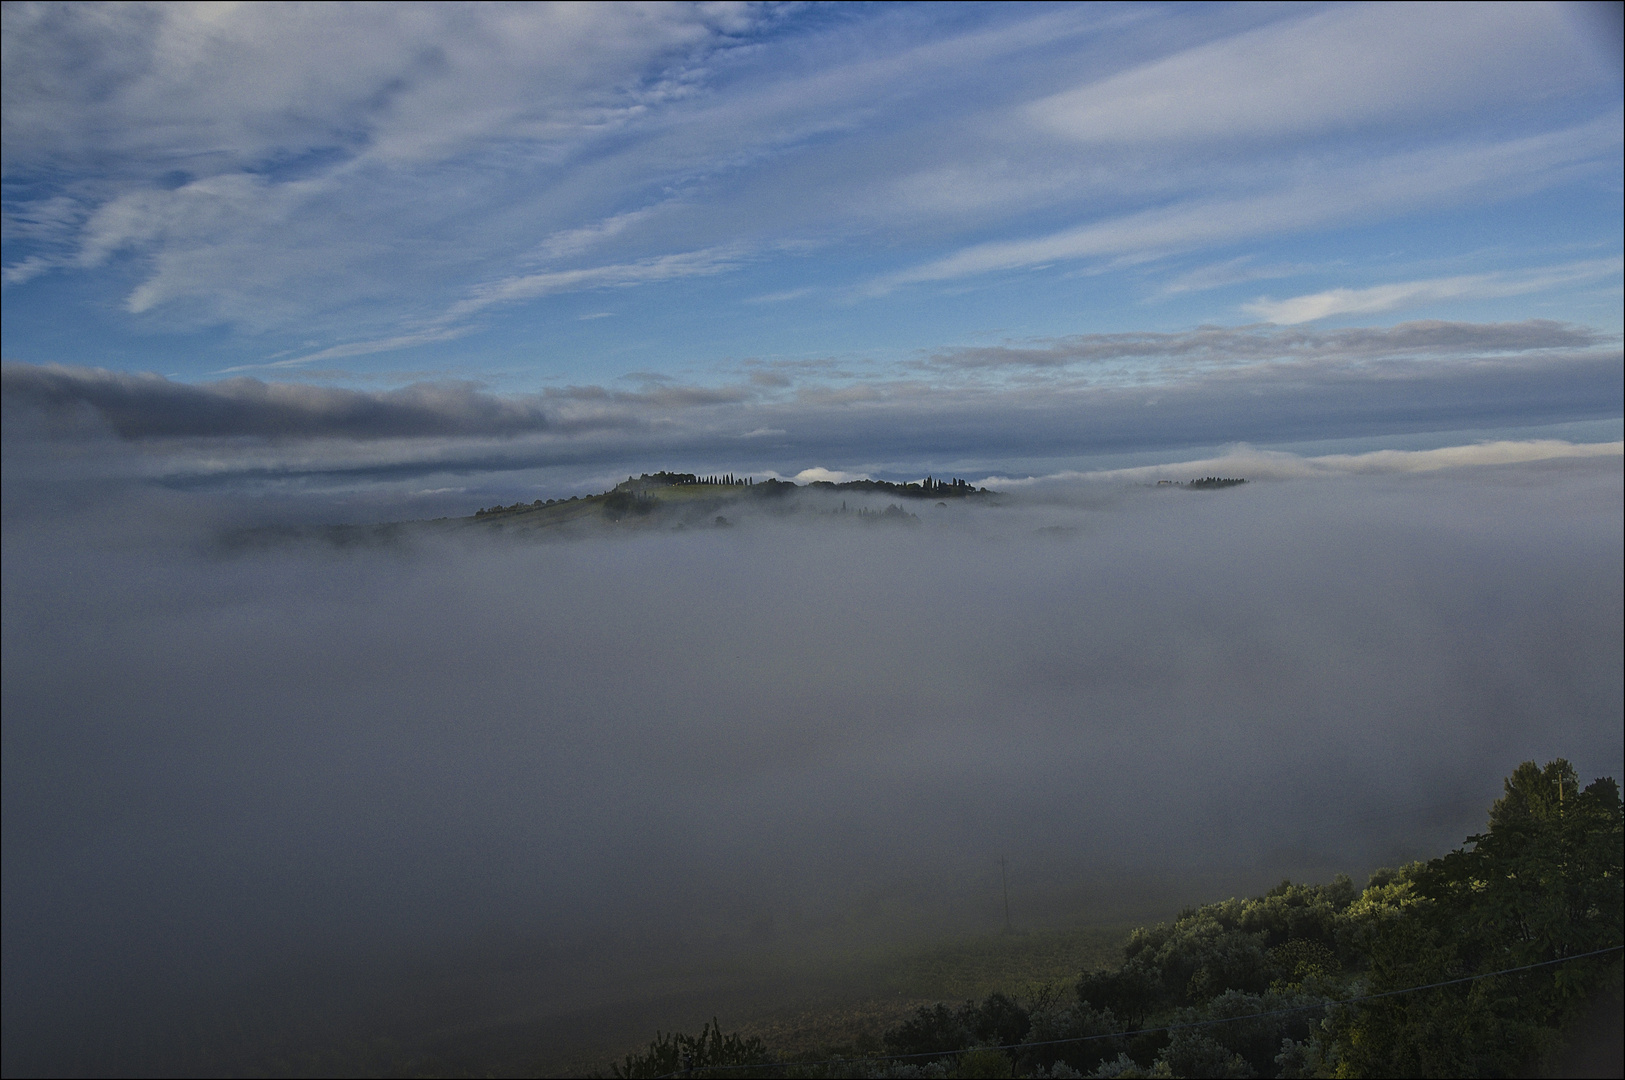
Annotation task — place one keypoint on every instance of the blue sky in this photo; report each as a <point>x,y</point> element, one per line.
<point>872,237</point>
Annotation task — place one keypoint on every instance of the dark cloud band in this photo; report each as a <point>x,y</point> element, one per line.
<point>1254,343</point>
<point>1268,386</point>
<point>149,406</point>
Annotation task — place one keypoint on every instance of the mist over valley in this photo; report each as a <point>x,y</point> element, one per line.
<point>568,758</point>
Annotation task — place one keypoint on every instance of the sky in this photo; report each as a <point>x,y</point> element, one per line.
<point>555,243</point>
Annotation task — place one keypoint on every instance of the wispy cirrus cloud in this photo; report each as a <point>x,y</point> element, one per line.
<point>1379,298</point>
<point>454,324</point>
<point>1235,271</point>
<point>548,283</point>
<point>221,88</point>
<point>781,297</point>
<point>357,348</point>
<point>267,152</point>
<point>1401,183</point>
<point>570,242</point>
<point>366,179</point>
<point>1346,67</point>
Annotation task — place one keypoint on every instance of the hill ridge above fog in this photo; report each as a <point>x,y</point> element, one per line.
<point>673,501</point>
<point>661,493</point>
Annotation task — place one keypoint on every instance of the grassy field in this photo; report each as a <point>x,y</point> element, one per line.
<point>886,985</point>
<point>843,998</point>
<point>840,1001</point>
<point>512,1008</point>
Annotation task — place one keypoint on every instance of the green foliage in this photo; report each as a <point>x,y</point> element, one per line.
<point>619,504</point>
<point>984,1063</point>
<point>1000,1021</point>
<point>1535,794</point>
<point>1544,883</point>
<point>1250,1044</point>
<point>936,1032</point>
<point>1200,1053</point>
<point>1073,1020</point>
<point>1297,982</point>
<point>927,489</point>
<point>935,1029</point>
<point>1020,964</point>
<point>693,1055</point>
<point>1283,938</point>
<point>1303,959</point>
<point>1131,992</point>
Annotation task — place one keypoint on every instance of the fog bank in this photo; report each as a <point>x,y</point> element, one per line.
<point>797,729</point>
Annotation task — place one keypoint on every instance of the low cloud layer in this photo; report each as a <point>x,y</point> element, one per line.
<point>1245,461</point>
<point>967,410</point>
<point>322,762</point>
<point>152,407</point>
<point>1250,344</point>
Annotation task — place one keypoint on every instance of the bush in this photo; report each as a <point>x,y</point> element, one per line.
<point>1073,1020</point>
<point>932,1030</point>
<point>693,1055</point>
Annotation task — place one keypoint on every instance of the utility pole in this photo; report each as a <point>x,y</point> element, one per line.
<point>1004,879</point>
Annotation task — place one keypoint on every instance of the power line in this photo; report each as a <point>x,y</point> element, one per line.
<point>1150,1030</point>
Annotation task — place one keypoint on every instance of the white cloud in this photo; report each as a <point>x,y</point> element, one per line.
<point>26,269</point>
<point>661,268</point>
<point>1254,464</point>
<point>357,348</point>
<point>1321,305</point>
<point>780,297</point>
<point>352,169</point>
<point>304,140</point>
<point>49,223</point>
<point>1345,67</point>
<point>1451,457</point>
<point>1137,355</point>
<point>833,476</point>
<point>1229,272</point>
<point>1396,184</point>
<point>570,242</point>
<point>219,86</point>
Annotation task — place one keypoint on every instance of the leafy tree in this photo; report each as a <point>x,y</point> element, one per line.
<point>983,1064</point>
<point>1250,1043</point>
<point>1073,1020</point>
<point>1129,993</point>
<point>935,1029</point>
<point>1542,884</point>
<point>999,1021</point>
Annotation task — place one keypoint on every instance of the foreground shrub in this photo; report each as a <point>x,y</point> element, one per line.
<point>672,1053</point>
